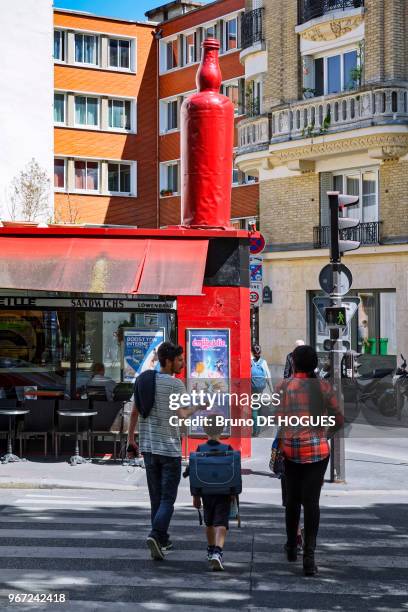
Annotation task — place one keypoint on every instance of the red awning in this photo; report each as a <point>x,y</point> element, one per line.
<point>103,265</point>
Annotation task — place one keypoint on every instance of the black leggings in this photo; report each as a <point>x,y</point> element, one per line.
<point>304,482</point>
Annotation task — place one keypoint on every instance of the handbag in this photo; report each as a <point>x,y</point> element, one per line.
<point>277,460</point>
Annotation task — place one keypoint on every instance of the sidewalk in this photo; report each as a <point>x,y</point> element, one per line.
<point>374,470</point>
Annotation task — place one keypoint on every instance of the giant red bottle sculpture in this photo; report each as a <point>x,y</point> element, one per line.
<point>207,140</point>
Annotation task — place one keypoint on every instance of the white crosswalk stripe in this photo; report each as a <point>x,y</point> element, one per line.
<point>93,550</point>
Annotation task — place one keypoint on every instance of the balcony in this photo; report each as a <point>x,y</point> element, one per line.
<point>312,9</point>
<point>253,133</point>
<point>338,112</point>
<point>366,233</point>
<point>252,30</point>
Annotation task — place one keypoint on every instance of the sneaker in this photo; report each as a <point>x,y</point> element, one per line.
<point>155,548</point>
<point>167,546</point>
<point>216,562</point>
<point>210,552</point>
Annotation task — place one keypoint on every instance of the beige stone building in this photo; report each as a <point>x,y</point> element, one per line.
<point>328,80</point>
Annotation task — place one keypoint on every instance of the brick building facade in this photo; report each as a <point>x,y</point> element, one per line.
<point>334,116</point>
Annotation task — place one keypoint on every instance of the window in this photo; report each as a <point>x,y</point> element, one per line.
<point>59,174</point>
<point>253,98</point>
<point>86,49</point>
<point>86,175</point>
<point>210,31</point>
<point>86,111</point>
<point>59,108</point>
<point>231,37</point>
<point>119,53</point>
<point>335,73</point>
<point>172,115</point>
<point>119,178</point>
<point>245,223</point>
<point>190,48</point>
<point>119,114</point>
<point>59,45</point>
<point>172,54</point>
<point>235,176</point>
<point>363,183</point>
<point>169,180</point>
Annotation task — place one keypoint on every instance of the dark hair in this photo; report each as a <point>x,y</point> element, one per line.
<point>211,428</point>
<point>97,368</point>
<point>168,350</point>
<point>305,361</point>
<point>256,350</point>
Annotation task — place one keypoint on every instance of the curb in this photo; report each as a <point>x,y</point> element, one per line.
<point>59,485</point>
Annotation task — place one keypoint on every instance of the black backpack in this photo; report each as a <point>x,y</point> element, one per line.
<point>144,392</point>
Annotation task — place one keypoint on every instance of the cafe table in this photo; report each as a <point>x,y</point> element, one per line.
<point>9,457</point>
<point>76,458</point>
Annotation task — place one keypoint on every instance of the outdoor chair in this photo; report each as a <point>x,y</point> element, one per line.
<point>66,424</point>
<point>39,422</point>
<point>96,393</point>
<point>108,422</point>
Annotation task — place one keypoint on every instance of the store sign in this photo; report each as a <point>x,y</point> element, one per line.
<point>85,303</point>
<point>140,351</point>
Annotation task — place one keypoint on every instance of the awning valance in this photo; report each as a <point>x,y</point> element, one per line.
<point>103,265</point>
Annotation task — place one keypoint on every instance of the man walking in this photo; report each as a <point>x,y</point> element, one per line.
<point>289,370</point>
<point>159,441</point>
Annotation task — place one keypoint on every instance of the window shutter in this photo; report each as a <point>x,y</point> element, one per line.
<point>326,184</point>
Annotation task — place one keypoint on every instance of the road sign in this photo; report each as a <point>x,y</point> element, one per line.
<point>349,303</point>
<point>255,294</point>
<point>326,280</point>
<point>255,268</point>
<point>256,244</point>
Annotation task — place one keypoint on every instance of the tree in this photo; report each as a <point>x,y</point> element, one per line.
<point>30,193</point>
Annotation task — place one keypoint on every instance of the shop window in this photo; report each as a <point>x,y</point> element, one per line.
<point>86,175</point>
<point>119,53</point>
<point>59,173</point>
<point>86,111</point>
<point>120,114</point>
<point>119,178</point>
<point>86,49</point>
<point>59,45</point>
<point>59,108</point>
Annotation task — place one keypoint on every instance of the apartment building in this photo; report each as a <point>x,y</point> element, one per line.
<point>332,76</point>
<point>105,149</point>
<point>179,37</point>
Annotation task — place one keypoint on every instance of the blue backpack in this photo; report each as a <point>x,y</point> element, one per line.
<point>258,378</point>
<point>215,472</point>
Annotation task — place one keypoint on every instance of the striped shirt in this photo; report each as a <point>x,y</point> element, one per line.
<point>156,435</point>
<point>306,444</point>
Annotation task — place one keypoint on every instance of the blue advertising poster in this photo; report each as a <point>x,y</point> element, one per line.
<point>140,351</point>
<point>208,368</point>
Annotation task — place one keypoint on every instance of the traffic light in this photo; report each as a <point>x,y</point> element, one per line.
<point>336,316</point>
<point>338,246</point>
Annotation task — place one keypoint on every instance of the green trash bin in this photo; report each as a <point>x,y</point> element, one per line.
<point>372,346</point>
<point>383,346</point>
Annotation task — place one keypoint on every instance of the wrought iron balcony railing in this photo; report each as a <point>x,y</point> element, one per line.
<point>311,9</point>
<point>366,233</point>
<point>252,30</point>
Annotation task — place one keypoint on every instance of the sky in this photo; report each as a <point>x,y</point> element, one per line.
<point>125,9</point>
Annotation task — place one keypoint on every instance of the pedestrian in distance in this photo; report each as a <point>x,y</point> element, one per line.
<point>217,506</point>
<point>159,441</point>
<point>306,450</point>
<point>260,380</point>
<point>288,371</point>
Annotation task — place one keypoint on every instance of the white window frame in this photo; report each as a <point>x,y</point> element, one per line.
<point>207,26</point>
<point>63,44</point>
<point>125,130</point>
<point>164,124</point>
<point>88,191</point>
<point>353,172</point>
<point>121,68</point>
<point>164,176</point>
<point>225,30</point>
<point>245,221</point>
<point>342,51</point>
<point>97,50</point>
<point>64,188</point>
<point>230,82</point>
<point>61,93</point>
<point>86,126</point>
<point>172,40</point>
<point>186,47</point>
<point>120,163</point>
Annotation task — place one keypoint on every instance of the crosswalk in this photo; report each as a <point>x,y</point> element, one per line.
<point>91,548</point>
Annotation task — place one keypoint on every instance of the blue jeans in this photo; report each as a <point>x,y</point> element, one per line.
<point>163,478</point>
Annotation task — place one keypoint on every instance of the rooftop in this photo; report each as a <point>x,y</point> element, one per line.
<point>192,4</point>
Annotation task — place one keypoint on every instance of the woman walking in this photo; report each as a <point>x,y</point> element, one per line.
<point>306,450</point>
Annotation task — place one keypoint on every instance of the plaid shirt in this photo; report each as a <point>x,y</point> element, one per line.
<point>306,444</point>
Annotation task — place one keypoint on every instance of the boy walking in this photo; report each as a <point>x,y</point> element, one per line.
<point>216,506</point>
